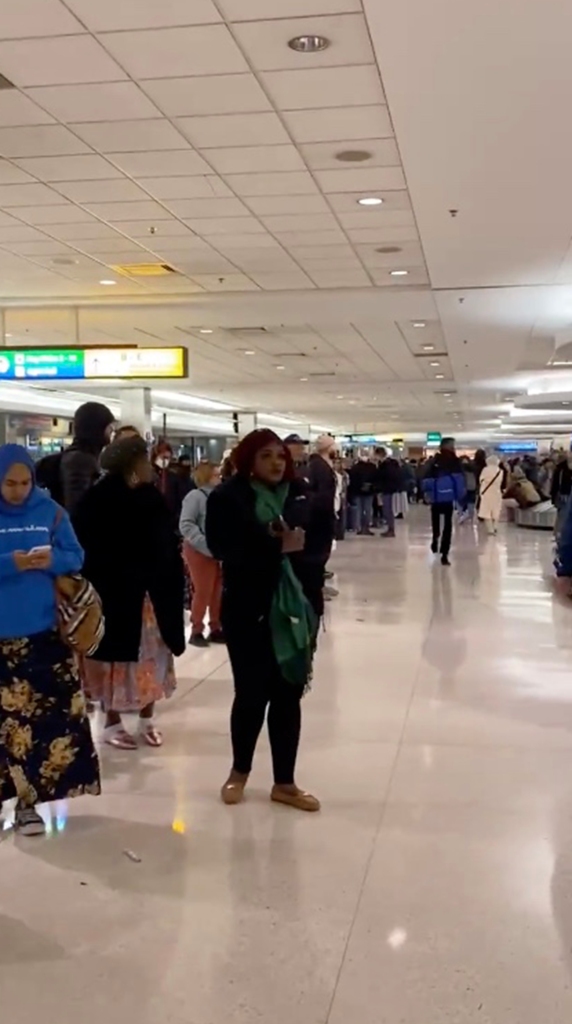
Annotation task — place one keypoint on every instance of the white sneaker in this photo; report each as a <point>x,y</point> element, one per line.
<point>28,822</point>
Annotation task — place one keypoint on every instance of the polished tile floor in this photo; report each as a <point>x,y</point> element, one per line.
<point>435,887</point>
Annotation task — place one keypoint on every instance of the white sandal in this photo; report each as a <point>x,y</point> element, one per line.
<point>149,733</point>
<point>118,737</point>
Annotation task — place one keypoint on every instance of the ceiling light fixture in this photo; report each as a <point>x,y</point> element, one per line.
<point>428,348</point>
<point>439,376</point>
<point>398,273</point>
<point>8,335</point>
<point>339,396</point>
<point>370,201</point>
<point>436,363</point>
<point>419,323</point>
<point>205,330</point>
<point>308,44</point>
<point>279,367</point>
<point>250,352</point>
<point>108,282</point>
<point>353,156</point>
<point>303,379</point>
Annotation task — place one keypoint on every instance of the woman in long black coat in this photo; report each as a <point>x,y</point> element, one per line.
<point>255,526</point>
<point>132,558</point>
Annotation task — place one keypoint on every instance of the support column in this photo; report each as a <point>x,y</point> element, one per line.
<point>4,428</point>
<point>244,422</point>
<point>136,410</point>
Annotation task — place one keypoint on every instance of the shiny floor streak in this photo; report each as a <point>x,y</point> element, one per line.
<point>435,887</point>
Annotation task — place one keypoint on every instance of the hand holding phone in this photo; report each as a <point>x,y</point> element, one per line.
<point>41,557</point>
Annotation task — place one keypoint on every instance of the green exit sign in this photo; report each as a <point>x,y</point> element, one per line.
<point>433,437</point>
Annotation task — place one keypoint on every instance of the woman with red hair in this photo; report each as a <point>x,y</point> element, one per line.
<point>255,527</point>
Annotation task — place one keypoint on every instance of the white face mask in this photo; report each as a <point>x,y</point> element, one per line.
<point>162,462</point>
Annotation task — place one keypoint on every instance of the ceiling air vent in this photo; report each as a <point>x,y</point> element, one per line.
<point>5,83</point>
<point>242,331</point>
<point>144,269</point>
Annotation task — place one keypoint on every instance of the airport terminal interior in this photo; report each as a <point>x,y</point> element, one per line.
<point>345,225</point>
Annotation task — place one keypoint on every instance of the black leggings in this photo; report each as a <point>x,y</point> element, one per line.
<point>445,509</point>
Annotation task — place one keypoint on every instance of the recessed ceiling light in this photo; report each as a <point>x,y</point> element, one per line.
<point>7,335</point>
<point>439,376</point>
<point>339,396</point>
<point>303,379</point>
<point>205,330</point>
<point>250,352</point>
<point>398,273</point>
<point>308,44</point>
<point>428,348</point>
<point>389,249</point>
<point>370,201</point>
<point>279,367</point>
<point>435,364</point>
<point>446,394</point>
<point>105,281</point>
<point>353,156</point>
<point>419,323</point>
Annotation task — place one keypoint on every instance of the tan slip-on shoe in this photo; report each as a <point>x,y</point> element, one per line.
<point>294,797</point>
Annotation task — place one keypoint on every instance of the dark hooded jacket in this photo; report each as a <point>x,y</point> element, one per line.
<point>79,468</point>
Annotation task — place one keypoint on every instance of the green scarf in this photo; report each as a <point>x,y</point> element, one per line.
<point>293,623</point>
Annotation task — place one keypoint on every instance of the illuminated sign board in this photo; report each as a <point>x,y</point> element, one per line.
<point>92,363</point>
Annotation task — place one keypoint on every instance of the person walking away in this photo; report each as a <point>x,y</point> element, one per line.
<point>443,486</point>
<point>561,487</point>
<point>490,507</point>
<point>69,474</point>
<point>361,490</point>
<point>255,527</point>
<point>321,527</point>
<point>388,484</point>
<point>470,501</point>
<point>46,749</point>
<point>204,570</point>
<point>132,558</point>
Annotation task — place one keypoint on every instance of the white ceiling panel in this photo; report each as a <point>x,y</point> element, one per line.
<point>301,222</point>
<point>228,243</point>
<point>410,255</point>
<point>269,205</point>
<point>255,158</point>
<point>231,283</point>
<point>416,276</point>
<point>279,184</point>
<point>202,264</point>
<point>233,130</point>
<point>344,263</point>
<point>69,232</point>
<point>66,60</point>
<point>107,15</point>
<point>20,233</point>
<point>226,226</point>
<point>10,175</point>
<point>49,247</point>
<point>256,10</point>
<point>177,52</point>
<point>48,140</point>
<point>109,101</point>
<point>394,203</point>
<point>172,244</point>
<point>69,168</point>
<point>196,187</point>
<point>354,225</point>
<point>162,163</point>
<point>164,229</point>
<point>212,94</point>
<point>291,239</point>
<point>127,253</point>
<point>378,178</point>
<point>281,280</point>
<point>266,42</point>
<point>102,247</point>
<point>339,124</point>
<point>36,17</point>
<point>323,252</point>
<point>124,136</point>
<point>26,195</point>
<point>263,259</point>
<point>64,213</point>
<point>383,235</point>
<point>321,156</point>
<point>114,191</point>
<point>149,211</point>
<point>7,221</point>
<point>356,85</point>
<point>17,110</point>
<point>222,207</point>
<point>341,278</point>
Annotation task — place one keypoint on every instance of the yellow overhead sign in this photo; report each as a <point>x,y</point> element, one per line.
<point>128,363</point>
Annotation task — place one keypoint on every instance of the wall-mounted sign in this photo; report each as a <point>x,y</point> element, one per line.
<point>433,439</point>
<point>517,446</point>
<point>92,363</point>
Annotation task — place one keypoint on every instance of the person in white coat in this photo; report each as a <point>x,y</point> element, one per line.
<point>490,493</point>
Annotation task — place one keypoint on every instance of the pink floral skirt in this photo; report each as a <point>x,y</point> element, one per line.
<point>129,685</point>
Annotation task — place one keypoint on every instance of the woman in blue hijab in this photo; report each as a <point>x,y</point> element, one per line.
<point>46,749</point>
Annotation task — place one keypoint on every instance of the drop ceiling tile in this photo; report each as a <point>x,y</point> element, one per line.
<point>49,247</point>
<point>109,101</point>
<point>378,178</point>
<point>140,136</point>
<point>383,235</point>
<point>213,94</point>
<point>37,17</point>
<point>341,124</point>
<point>48,140</point>
<point>355,85</point>
<point>10,175</point>
<point>265,42</point>
<point>322,252</point>
<point>176,52</point>
<point>228,243</point>
<point>163,229</point>
<point>394,204</point>
<point>149,211</point>
<point>222,207</point>
<point>301,222</point>
<point>161,163</point>
<point>255,158</point>
<point>16,110</point>
<point>69,168</point>
<point>200,264</point>
<point>114,191</point>
<point>226,130</point>
<point>134,254</point>
<point>321,156</point>
<point>341,278</point>
<point>292,239</point>
<point>344,263</point>
<point>107,15</point>
<point>416,276</point>
<point>101,247</point>
<point>196,187</point>
<point>172,243</point>
<point>270,205</point>
<point>64,213</point>
<point>281,280</point>
<point>20,233</point>
<point>67,60</point>
<point>263,259</point>
<point>226,226</point>
<point>387,230</point>
<point>278,184</point>
<point>411,255</point>
<point>256,10</point>
<point>70,232</point>
<point>26,195</point>
<point>230,283</point>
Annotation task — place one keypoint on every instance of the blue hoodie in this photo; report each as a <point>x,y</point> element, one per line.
<point>27,599</point>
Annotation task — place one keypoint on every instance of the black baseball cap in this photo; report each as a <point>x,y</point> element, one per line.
<point>295,439</point>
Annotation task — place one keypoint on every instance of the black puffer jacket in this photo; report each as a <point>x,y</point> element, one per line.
<point>79,467</point>
<point>322,491</point>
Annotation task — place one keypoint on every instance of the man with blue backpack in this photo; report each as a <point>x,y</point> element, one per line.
<point>444,486</point>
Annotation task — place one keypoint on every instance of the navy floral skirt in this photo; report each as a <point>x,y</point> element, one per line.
<point>46,749</point>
